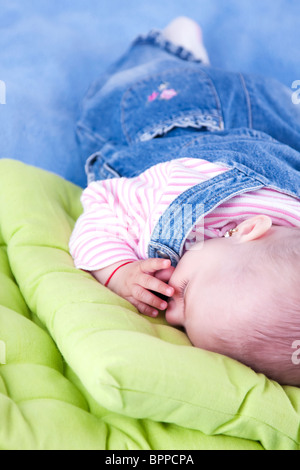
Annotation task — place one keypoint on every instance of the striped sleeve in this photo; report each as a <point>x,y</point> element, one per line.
<point>102,235</point>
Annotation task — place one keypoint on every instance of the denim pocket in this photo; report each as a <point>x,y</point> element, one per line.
<point>181,97</point>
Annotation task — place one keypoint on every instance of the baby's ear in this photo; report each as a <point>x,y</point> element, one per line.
<point>253,228</point>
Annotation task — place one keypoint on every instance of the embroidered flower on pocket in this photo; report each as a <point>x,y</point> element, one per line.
<point>168,94</point>
<point>153,96</point>
<point>164,93</point>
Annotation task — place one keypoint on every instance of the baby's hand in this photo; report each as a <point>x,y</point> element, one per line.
<point>134,282</point>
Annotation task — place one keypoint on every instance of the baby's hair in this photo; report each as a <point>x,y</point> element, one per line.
<point>268,339</point>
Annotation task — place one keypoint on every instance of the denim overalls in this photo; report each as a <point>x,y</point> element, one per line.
<point>159,103</point>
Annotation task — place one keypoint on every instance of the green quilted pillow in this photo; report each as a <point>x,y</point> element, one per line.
<point>124,362</point>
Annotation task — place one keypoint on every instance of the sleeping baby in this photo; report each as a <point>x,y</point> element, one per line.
<point>192,205</point>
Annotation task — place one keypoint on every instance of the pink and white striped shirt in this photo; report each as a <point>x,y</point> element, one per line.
<point>121,213</point>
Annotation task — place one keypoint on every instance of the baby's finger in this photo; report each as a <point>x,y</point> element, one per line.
<point>146,309</point>
<point>146,297</point>
<point>151,265</point>
<point>165,274</point>
<point>154,284</point>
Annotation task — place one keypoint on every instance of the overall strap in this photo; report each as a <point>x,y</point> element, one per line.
<point>173,227</point>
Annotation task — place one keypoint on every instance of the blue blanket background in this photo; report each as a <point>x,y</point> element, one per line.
<point>50,51</point>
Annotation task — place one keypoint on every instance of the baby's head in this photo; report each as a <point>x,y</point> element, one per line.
<point>240,296</point>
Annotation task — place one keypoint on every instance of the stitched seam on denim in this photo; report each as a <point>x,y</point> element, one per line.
<point>182,121</point>
<point>206,185</point>
<point>156,38</point>
<point>218,102</point>
<point>161,75</point>
<point>232,139</point>
<point>248,100</point>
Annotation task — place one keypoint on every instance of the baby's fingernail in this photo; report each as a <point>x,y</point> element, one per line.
<point>154,313</point>
<point>166,262</point>
<point>169,291</point>
<point>163,305</point>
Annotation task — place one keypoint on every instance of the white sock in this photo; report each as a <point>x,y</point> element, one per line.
<point>185,32</point>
